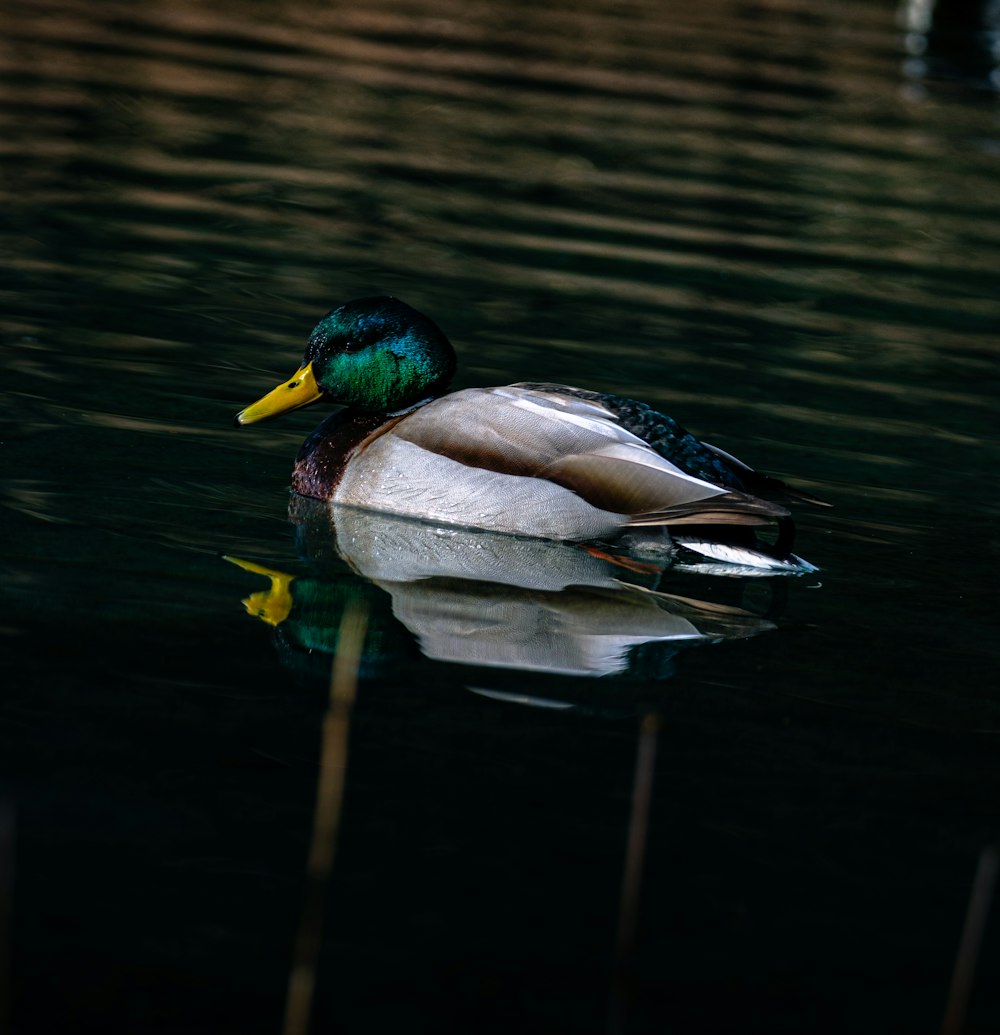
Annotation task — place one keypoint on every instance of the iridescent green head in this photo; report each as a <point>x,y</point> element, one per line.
<point>373,354</point>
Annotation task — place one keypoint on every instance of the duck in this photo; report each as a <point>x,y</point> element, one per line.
<point>533,459</point>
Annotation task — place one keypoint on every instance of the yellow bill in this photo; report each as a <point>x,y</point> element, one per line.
<point>299,390</point>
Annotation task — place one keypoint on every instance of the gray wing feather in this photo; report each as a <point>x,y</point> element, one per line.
<point>561,439</point>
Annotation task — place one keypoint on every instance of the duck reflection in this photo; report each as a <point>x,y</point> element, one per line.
<point>491,601</point>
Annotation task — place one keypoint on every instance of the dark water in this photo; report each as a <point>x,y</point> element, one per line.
<point>779,222</point>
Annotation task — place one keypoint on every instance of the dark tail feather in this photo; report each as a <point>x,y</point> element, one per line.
<point>733,508</point>
<point>757,482</point>
<point>764,483</point>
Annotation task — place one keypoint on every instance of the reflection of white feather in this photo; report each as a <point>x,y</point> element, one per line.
<point>571,633</point>
<point>387,549</point>
<point>502,601</point>
<point>743,560</point>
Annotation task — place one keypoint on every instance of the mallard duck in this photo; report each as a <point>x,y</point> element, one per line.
<point>542,460</point>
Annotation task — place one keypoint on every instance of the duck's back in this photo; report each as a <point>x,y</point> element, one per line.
<point>538,462</point>
<point>663,434</point>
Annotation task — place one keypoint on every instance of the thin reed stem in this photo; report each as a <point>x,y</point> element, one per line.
<point>635,854</point>
<point>968,948</point>
<point>326,819</point>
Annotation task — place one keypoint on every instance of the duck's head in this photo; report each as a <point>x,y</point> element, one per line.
<point>374,354</point>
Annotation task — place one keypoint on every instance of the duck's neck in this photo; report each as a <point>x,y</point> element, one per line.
<point>402,411</point>
<point>325,454</point>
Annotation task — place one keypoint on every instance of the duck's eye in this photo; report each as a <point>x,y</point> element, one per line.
<point>350,345</point>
